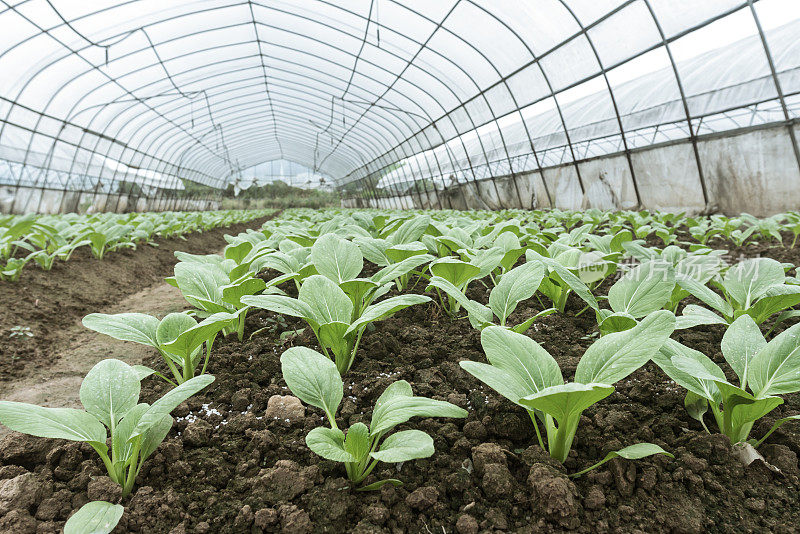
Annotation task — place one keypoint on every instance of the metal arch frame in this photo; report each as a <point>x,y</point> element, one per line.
<point>264,70</point>
<point>423,46</point>
<point>613,98</point>
<point>682,92</point>
<point>776,80</point>
<point>323,58</point>
<point>664,42</point>
<point>203,162</point>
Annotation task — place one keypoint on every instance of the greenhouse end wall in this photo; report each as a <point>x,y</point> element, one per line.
<point>754,172</point>
<point>23,200</point>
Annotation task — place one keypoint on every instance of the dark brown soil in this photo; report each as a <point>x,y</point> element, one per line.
<point>47,302</point>
<point>227,468</point>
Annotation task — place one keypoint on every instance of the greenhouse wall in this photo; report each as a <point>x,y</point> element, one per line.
<point>20,200</point>
<point>753,171</point>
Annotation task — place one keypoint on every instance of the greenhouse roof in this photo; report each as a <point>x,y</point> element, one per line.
<point>206,89</point>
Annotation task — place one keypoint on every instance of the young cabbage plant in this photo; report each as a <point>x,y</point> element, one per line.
<point>382,253</point>
<point>458,274</point>
<point>330,313</point>
<point>523,372</point>
<point>12,269</point>
<point>756,287</point>
<point>641,291</point>
<point>559,281</point>
<point>315,380</point>
<point>178,337</point>
<point>766,369</point>
<point>518,284</point>
<point>110,397</point>
<point>108,236</point>
<point>341,261</point>
<point>210,289</point>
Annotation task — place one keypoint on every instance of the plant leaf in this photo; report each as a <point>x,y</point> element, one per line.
<point>280,304</point>
<point>357,441</point>
<point>396,409</point>
<point>775,370</point>
<point>572,281</point>
<point>386,308</point>
<point>703,293</point>
<point>740,343</point>
<point>233,293</point>
<point>775,299</point>
<point>522,357</point>
<point>748,280</point>
<point>396,270</point>
<point>455,271</point>
<point>96,517</point>
<point>109,390</point>
<point>516,285</point>
<point>503,382</point>
<point>173,325</point>
<point>404,446</point>
<point>336,258</point>
<point>329,443</point>
<point>143,371</point>
<point>696,406</point>
<point>328,303</point>
<point>200,282</point>
<point>58,423</point>
<point>380,483</point>
<point>704,387</point>
<point>473,308</point>
<point>171,399</point>
<point>566,401</point>
<point>136,327</point>
<point>189,340</point>
<point>694,315</point>
<point>643,290</point>
<point>313,378</point>
<point>615,356</point>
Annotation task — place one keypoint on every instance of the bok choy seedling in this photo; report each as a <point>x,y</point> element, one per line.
<point>315,380</point>
<point>518,284</point>
<point>110,397</point>
<point>336,303</point>
<point>756,287</point>
<point>330,313</point>
<point>212,289</point>
<point>178,337</point>
<point>766,369</point>
<point>560,281</point>
<point>523,372</point>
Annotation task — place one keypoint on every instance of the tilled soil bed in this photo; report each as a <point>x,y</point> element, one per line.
<point>228,467</point>
<point>48,302</point>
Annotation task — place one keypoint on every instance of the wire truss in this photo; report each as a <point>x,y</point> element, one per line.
<point>383,98</point>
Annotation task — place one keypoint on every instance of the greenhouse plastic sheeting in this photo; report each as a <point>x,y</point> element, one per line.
<point>447,103</point>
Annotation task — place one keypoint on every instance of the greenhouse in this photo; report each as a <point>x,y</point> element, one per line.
<point>458,266</point>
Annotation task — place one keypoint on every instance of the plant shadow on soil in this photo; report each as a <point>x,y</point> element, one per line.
<point>225,467</point>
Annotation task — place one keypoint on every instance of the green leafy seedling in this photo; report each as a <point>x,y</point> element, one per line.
<point>527,375</point>
<point>315,380</point>
<point>330,313</point>
<point>178,337</point>
<point>110,397</point>
<point>765,369</point>
<point>516,285</point>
